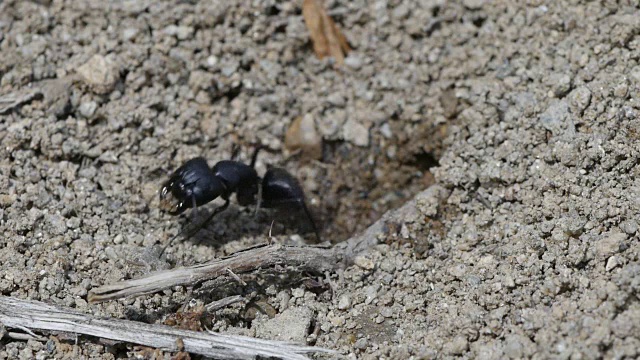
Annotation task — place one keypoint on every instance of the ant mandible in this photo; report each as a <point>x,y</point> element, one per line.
<point>195,184</point>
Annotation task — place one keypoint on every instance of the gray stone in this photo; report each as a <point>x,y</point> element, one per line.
<point>291,325</point>
<point>557,118</point>
<point>629,226</point>
<point>356,133</point>
<point>610,244</point>
<point>344,302</point>
<point>100,73</point>
<point>457,346</point>
<point>579,99</point>
<point>87,109</point>
<point>353,61</point>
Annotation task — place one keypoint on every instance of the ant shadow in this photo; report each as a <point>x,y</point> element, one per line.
<point>236,222</point>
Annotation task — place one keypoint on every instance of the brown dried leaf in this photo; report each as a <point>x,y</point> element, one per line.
<point>327,38</point>
<point>187,320</point>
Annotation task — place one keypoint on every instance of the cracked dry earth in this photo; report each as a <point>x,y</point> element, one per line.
<point>519,118</point>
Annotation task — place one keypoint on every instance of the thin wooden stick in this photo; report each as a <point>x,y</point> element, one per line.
<point>266,257</point>
<point>306,258</point>
<point>236,277</point>
<point>17,313</point>
<point>219,304</point>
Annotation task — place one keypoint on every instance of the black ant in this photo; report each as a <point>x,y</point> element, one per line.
<point>194,184</point>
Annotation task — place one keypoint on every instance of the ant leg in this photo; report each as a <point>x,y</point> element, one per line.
<point>313,224</point>
<point>254,157</point>
<point>259,201</point>
<point>215,212</point>
<point>307,213</point>
<point>194,212</point>
<point>235,151</point>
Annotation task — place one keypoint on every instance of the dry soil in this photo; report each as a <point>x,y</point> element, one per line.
<point>523,116</point>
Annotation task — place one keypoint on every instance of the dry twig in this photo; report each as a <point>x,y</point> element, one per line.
<point>308,258</point>
<point>16,313</point>
<point>269,257</point>
<point>11,101</point>
<point>264,258</point>
<point>222,303</point>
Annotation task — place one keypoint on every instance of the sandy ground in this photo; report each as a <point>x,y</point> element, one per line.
<point>523,119</point>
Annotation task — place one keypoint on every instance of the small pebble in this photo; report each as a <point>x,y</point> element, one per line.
<point>612,263</point>
<point>353,61</point>
<point>100,73</point>
<point>87,109</point>
<point>364,262</point>
<point>629,226</point>
<point>129,33</point>
<point>610,244</point>
<point>386,312</point>
<point>361,344</point>
<point>385,130</point>
<point>297,293</point>
<point>344,302</point>
<point>356,133</point>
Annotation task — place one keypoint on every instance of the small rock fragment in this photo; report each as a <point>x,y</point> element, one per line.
<point>473,4</point>
<point>181,32</point>
<point>579,99</point>
<point>629,226</point>
<point>344,302</point>
<point>612,263</point>
<point>385,130</point>
<point>364,262</point>
<point>129,33</point>
<point>100,73</point>
<point>557,118</point>
<point>356,133</point>
<point>387,266</point>
<point>297,293</point>
<point>361,344</point>
<point>561,84</point>
<point>336,99</point>
<point>457,346</point>
<point>610,244</point>
<point>87,109</point>
<point>337,321</point>
<point>449,103</point>
<point>386,312</point>
<point>371,293</point>
<point>353,61</point>
<point>458,271</point>
<point>290,325</point>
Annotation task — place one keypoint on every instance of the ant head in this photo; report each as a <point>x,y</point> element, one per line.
<point>192,185</point>
<point>173,196</point>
